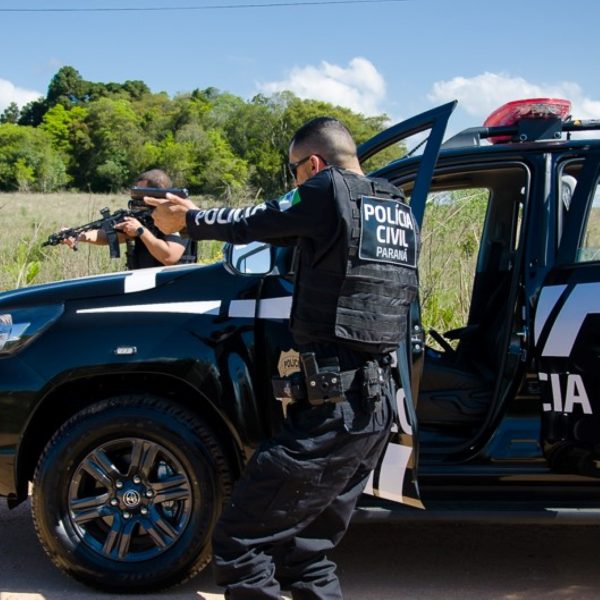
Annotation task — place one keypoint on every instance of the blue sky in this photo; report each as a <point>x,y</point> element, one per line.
<point>393,57</point>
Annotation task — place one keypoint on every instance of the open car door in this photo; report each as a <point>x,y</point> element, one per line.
<point>395,478</point>
<point>567,332</point>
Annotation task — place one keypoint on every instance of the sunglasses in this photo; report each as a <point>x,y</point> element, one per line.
<point>293,167</point>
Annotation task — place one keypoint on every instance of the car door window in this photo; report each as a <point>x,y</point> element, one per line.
<point>589,244</point>
<point>566,184</point>
<point>468,271</point>
<point>469,237</point>
<point>451,235</point>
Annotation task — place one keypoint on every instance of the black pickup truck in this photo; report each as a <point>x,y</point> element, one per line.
<point>131,401</point>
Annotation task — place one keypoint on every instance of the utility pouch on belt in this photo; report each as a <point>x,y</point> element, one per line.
<point>323,383</point>
<point>372,384</point>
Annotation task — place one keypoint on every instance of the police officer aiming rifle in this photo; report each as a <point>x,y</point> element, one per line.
<point>146,245</point>
<point>355,279</point>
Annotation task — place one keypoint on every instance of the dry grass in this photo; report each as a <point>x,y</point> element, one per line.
<point>28,219</point>
<point>590,250</point>
<point>450,242</point>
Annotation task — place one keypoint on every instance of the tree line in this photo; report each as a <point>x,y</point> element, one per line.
<point>97,137</point>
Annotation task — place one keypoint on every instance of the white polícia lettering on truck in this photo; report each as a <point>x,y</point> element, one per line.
<point>574,394</point>
<point>405,425</point>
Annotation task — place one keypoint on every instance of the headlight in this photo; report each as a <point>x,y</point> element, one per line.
<point>20,326</point>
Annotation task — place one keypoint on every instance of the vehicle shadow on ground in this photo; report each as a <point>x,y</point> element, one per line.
<point>459,561</point>
<point>26,572</point>
<point>377,561</point>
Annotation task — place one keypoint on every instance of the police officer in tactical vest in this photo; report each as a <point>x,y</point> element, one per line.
<point>146,246</point>
<point>355,279</point>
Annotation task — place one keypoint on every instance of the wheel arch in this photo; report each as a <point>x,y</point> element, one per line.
<point>68,398</point>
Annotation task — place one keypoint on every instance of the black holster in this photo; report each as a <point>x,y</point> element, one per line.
<point>317,383</point>
<point>323,382</point>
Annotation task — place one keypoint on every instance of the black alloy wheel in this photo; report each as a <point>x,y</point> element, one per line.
<point>127,492</point>
<point>130,499</point>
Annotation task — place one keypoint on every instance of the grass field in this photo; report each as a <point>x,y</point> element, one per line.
<point>28,219</point>
<point>450,241</point>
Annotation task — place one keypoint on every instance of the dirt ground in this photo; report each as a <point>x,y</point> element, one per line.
<point>377,561</point>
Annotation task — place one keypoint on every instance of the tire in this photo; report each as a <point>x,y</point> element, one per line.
<point>127,492</point>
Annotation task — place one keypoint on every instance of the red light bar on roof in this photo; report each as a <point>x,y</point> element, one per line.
<point>534,108</point>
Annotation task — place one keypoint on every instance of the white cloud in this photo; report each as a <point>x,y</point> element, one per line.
<point>11,93</point>
<point>482,94</point>
<point>359,86</point>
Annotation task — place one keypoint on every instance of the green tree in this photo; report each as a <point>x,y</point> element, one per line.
<point>24,175</point>
<point>362,128</point>
<point>220,170</point>
<point>176,158</point>
<point>154,113</point>
<point>28,160</point>
<point>212,141</point>
<point>187,109</point>
<point>260,133</point>
<point>223,107</point>
<point>112,158</point>
<point>254,133</point>
<point>66,128</point>
<point>130,90</point>
<point>67,87</point>
<point>135,89</point>
<point>212,166</point>
<point>10,114</point>
<point>33,112</point>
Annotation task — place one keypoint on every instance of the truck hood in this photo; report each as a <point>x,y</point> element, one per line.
<point>110,284</point>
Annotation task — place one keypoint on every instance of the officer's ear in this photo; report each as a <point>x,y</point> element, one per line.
<point>317,164</point>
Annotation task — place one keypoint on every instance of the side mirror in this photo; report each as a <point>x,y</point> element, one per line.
<point>255,258</point>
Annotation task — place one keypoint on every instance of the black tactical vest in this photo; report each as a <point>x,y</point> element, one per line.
<point>358,290</point>
<point>139,257</point>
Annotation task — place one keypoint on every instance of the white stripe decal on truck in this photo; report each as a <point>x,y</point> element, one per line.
<point>143,279</point>
<point>268,308</point>
<point>548,298</point>
<point>582,301</point>
<point>275,308</point>
<point>208,307</point>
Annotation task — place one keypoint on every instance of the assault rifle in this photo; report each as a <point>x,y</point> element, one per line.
<point>137,208</point>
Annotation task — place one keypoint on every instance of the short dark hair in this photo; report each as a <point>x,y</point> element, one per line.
<point>155,178</point>
<point>327,137</point>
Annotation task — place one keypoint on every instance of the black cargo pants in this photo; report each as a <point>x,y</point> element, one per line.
<point>295,499</point>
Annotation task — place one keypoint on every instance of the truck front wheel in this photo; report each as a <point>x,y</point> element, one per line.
<point>127,492</point>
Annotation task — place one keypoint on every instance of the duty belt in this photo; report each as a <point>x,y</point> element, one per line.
<point>327,383</point>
